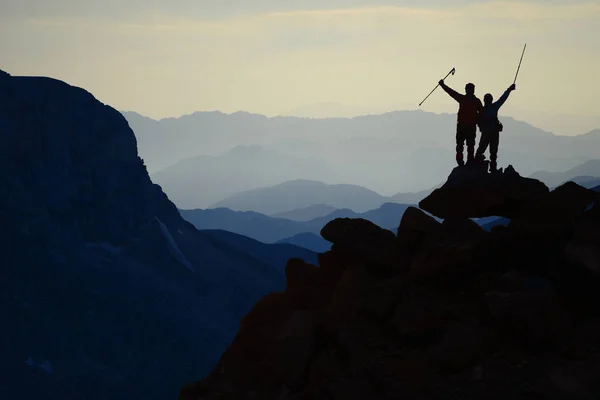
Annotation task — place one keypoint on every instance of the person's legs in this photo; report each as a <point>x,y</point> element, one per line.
<point>494,142</point>
<point>460,144</point>
<point>484,141</point>
<point>470,133</point>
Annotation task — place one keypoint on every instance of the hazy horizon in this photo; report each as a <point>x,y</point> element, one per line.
<point>165,59</point>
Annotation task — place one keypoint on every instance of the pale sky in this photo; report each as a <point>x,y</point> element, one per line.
<point>168,58</point>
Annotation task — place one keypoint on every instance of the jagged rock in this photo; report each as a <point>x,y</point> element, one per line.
<point>330,269</point>
<point>476,315</point>
<point>453,250</point>
<point>414,228</point>
<point>365,241</point>
<point>288,355</point>
<point>536,315</point>
<point>426,312</point>
<point>471,193</point>
<point>462,345</point>
<point>346,298</point>
<point>300,274</point>
<point>567,201</point>
<point>304,290</point>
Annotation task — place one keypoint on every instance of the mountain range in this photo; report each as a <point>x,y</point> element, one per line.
<point>586,174</point>
<point>107,293</point>
<point>270,230</point>
<point>402,151</point>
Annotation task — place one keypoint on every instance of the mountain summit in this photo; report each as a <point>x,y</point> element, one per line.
<point>440,310</point>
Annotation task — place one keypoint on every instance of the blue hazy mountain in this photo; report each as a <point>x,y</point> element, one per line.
<point>107,293</point>
<point>310,241</point>
<point>200,182</point>
<point>581,174</point>
<point>270,230</point>
<point>303,193</point>
<point>306,213</point>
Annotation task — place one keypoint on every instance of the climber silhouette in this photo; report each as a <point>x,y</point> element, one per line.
<point>466,126</point>
<point>490,127</point>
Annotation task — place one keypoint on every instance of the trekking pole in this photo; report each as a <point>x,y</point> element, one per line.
<point>515,81</point>
<point>452,71</point>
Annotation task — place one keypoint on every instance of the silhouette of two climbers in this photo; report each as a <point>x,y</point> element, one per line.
<point>471,113</point>
<point>468,116</point>
<point>490,127</point>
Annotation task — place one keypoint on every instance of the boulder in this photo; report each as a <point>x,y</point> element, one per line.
<point>363,240</point>
<point>300,274</point>
<point>537,315</point>
<point>414,228</point>
<point>471,193</point>
<point>462,345</point>
<point>331,268</point>
<point>290,351</point>
<point>565,202</point>
<point>451,252</point>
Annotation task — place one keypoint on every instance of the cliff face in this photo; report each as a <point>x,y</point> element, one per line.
<point>106,291</point>
<point>438,311</point>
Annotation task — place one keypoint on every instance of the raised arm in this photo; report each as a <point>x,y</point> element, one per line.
<point>504,97</point>
<point>453,93</point>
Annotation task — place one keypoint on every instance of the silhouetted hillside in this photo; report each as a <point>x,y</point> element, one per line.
<point>107,293</point>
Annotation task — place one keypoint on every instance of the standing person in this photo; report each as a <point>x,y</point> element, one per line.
<point>490,127</point>
<point>466,126</point>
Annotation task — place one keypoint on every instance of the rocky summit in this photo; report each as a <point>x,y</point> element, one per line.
<point>442,310</point>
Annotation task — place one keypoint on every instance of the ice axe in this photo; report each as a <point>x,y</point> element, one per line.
<point>452,71</point>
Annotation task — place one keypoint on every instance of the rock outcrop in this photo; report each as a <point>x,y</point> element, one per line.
<point>473,193</point>
<point>441,310</point>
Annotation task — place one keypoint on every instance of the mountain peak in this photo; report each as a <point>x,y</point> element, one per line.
<point>435,310</point>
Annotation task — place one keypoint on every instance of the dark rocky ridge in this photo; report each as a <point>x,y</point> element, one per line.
<point>439,311</point>
<point>105,291</point>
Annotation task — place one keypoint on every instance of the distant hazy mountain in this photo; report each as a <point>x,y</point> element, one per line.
<point>412,198</point>
<point>587,171</point>
<point>296,194</point>
<point>306,213</point>
<point>202,181</point>
<point>310,241</point>
<point>402,151</point>
<point>247,223</point>
<point>585,181</point>
<point>271,230</point>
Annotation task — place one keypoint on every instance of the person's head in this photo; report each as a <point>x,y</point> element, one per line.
<point>470,89</point>
<point>488,98</point>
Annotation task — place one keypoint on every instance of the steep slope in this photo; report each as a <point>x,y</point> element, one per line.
<point>270,230</point>
<point>438,311</point>
<point>590,168</point>
<point>296,194</point>
<point>106,291</point>
<point>306,213</point>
